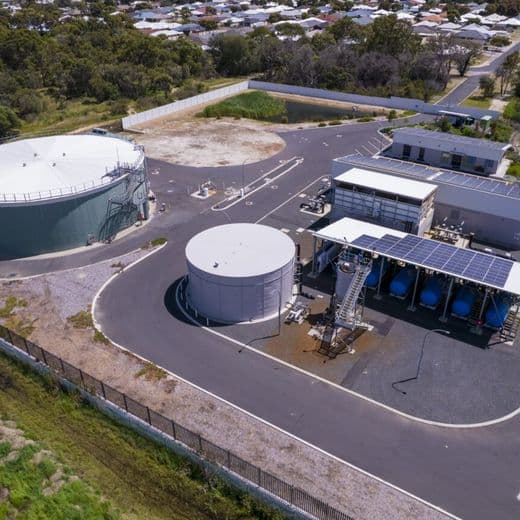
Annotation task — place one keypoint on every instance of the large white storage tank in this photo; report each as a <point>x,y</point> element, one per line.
<point>240,272</point>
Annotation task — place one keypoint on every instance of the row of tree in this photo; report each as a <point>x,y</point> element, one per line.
<point>105,58</point>
<point>384,58</point>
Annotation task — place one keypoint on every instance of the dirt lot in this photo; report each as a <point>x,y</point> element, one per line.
<point>184,138</point>
<point>45,302</point>
<point>194,141</point>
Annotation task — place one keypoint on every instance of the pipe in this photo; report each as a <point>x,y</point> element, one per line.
<point>443,317</point>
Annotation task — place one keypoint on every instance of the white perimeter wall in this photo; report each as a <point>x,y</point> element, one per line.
<point>177,106</point>
<point>391,102</point>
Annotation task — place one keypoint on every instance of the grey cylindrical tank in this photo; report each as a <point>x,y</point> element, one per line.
<point>240,272</point>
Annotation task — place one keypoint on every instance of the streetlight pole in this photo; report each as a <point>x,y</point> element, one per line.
<point>243,177</point>
<point>439,331</point>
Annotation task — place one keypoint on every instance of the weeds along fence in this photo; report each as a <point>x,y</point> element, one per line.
<point>202,447</point>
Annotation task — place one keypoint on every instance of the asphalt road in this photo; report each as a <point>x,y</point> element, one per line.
<point>472,473</point>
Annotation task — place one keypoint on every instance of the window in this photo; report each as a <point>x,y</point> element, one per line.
<point>420,157</point>
<point>489,164</point>
<point>406,151</point>
<point>445,158</point>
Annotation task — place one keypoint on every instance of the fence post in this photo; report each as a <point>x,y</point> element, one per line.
<point>43,356</point>
<point>124,401</point>
<point>200,442</point>
<point>259,477</point>
<point>62,366</point>
<point>148,415</point>
<point>173,430</point>
<point>103,390</point>
<point>81,377</point>
<point>291,495</point>
<point>10,337</point>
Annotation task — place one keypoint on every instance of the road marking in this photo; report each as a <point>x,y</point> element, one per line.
<point>288,200</point>
<point>368,151</point>
<point>285,230</point>
<point>253,350</point>
<point>267,180</point>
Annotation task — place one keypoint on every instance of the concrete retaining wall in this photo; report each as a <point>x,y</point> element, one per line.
<point>177,106</point>
<point>393,102</point>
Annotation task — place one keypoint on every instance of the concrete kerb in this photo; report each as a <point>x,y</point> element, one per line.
<point>98,326</point>
<point>143,428</point>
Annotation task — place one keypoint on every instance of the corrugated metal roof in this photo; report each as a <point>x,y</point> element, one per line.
<point>387,183</point>
<point>450,139</point>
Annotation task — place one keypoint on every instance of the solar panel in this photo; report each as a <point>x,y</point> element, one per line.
<point>472,182</point>
<point>404,246</point>
<point>502,189</point>
<point>463,263</point>
<point>449,177</point>
<point>440,256</point>
<point>364,241</point>
<point>422,251</point>
<point>515,192</point>
<point>385,243</point>
<point>458,262</point>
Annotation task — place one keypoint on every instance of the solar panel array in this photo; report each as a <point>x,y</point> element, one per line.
<point>463,263</point>
<point>435,175</point>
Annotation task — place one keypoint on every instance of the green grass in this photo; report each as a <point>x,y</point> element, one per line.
<point>68,116</point>
<point>10,304</point>
<point>141,479</point>
<point>26,481</point>
<point>251,105</point>
<point>514,170</point>
<point>151,372</point>
<point>477,102</point>
<point>215,83</point>
<point>81,320</point>
<point>159,241</point>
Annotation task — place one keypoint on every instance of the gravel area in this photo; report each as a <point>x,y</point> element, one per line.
<point>52,298</point>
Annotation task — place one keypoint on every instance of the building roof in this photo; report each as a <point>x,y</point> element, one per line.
<point>496,187</point>
<point>387,183</point>
<point>447,142</point>
<point>240,250</point>
<point>47,167</point>
<point>352,231</point>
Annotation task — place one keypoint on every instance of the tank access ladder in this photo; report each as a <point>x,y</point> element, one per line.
<point>347,314</point>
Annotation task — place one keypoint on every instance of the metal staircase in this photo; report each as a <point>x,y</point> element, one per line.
<point>348,314</point>
<point>509,330</point>
<point>120,207</point>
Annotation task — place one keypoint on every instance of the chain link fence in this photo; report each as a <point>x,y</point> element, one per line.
<point>204,448</point>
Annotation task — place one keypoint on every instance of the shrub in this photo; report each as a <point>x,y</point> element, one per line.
<point>499,41</point>
<point>159,241</point>
<point>514,169</point>
<point>365,119</point>
<point>322,124</point>
<point>512,110</point>
<point>334,123</point>
<point>81,320</point>
<point>251,105</point>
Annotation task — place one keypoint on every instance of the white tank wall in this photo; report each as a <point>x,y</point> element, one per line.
<point>236,299</point>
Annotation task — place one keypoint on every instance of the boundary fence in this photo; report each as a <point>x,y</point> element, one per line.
<point>392,102</point>
<point>204,448</point>
<point>165,110</point>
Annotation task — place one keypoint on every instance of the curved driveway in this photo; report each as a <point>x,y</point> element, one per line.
<point>473,473</point>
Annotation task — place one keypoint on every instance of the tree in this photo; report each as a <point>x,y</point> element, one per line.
<point>389,35</point>
<point>507,70</point>
<point>231,54</point>
<point>464,53</point>
<point>9,122</point>
<point>487,85</point>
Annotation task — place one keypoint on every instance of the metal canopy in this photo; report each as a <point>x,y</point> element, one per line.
<point>473,266</point>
